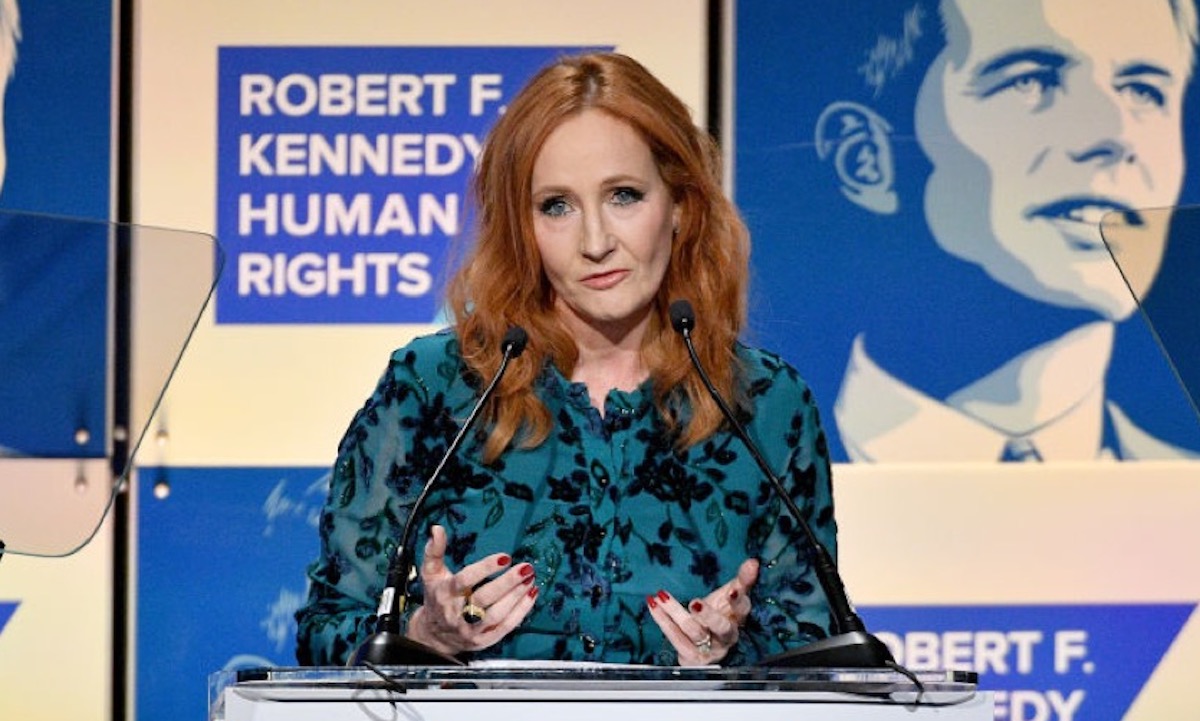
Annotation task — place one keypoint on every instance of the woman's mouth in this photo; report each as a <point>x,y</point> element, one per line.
<point>605,280</point>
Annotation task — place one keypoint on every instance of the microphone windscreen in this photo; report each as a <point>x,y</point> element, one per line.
<point>514,338</point>
<point>682,316</point>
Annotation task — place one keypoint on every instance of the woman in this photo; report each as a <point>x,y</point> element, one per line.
<point>615,516</point>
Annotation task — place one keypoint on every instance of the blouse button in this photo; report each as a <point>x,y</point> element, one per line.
<point>589,643</point>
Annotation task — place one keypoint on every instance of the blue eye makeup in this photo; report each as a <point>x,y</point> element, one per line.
<point>627,196</point>
<point>554,207</point>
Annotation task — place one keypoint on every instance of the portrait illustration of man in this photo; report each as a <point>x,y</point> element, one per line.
<point>961,276</point>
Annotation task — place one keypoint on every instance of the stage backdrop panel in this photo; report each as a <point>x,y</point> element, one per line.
<point>324,367</point>
<point>221,573</point>
<point>924,183</point>
<point>279,364</point>
<point>951,567</point>
<point>927,246</point>
<point>56,141</point>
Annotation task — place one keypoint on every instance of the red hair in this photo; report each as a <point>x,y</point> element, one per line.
<point>501,283</point>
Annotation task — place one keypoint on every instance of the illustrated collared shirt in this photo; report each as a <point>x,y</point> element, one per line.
<point>606,510</point>
<point>883,419</point>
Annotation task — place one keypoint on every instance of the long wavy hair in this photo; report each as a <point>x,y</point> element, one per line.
<point>501,281</point>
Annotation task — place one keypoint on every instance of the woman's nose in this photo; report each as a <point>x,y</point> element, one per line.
<point>597,241</point>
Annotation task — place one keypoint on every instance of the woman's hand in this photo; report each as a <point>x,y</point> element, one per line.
<point>703,633</point>
<point>462,612</point>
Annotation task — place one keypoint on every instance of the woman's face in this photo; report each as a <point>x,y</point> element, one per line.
<point>603,220</point>
<point>1042,116</point>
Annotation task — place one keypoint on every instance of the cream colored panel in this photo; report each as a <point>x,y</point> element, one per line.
<point>55,651</point>
<point>284,394</point>
<point>1017,534</point>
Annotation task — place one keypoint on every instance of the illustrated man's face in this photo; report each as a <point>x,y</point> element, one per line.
<point>1042,116</point>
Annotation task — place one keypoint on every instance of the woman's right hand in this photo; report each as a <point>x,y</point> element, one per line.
<point>503,602</point>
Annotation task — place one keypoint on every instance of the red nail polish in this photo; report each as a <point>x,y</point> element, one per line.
<point>651,602</point>
<point>662,596</point>
<point>526,570</point>
<point>533,592</point>
<point>733,595</point>
<point>697,607</point>
<point>527,580</point>
<point>504,560</point>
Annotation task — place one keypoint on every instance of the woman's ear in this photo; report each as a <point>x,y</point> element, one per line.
<point>857,141</point>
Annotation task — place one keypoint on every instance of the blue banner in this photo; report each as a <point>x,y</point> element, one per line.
<point>221,563</point>
<point>54,315</point>
<point>342,174</point>
<point>1045,663</point>
<point>55,144</point>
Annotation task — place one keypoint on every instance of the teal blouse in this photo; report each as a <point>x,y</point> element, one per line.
<point>606,510</point>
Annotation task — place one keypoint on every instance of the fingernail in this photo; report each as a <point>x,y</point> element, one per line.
<point>733,595</point>
<point>662,596</point>
<point>533,592</point>
<point>526,570</point>
<point>697,607</point>
<point>651,602</point>
<point>504,560</point>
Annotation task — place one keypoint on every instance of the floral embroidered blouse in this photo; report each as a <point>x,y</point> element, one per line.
<point>605,509</point>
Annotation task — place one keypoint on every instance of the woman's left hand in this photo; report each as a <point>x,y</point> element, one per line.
<point>705,631</point>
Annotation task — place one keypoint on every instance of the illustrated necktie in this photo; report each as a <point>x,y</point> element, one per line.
<point>1020,450</point>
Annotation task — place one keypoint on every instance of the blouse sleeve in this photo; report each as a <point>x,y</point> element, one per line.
<point>371,489</point>
<point>789,606</point>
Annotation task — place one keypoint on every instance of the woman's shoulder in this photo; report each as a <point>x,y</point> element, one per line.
<point>439,343</point>
<point>434,355</point>
<point>767,374</point>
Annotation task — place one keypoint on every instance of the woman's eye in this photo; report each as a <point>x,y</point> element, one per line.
<point>554,207</point>
<point>627,196</point>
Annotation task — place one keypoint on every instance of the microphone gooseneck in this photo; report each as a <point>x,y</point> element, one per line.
<point>850,646</point>
<point>388,646</point>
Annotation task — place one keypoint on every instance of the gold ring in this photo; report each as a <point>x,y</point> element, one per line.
<point>472,613</point>
<point>704,645</point>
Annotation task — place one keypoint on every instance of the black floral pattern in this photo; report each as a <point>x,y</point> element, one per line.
<point>608,511</point>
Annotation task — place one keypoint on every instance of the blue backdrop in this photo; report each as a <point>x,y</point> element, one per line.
<point>53,286</point>
<point>831,176</point>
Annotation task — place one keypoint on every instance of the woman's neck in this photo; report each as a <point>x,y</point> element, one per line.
<point>605,369</point>
<point>610,355</point>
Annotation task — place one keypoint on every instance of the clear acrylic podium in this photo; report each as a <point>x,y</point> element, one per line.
<point>581,692</point>
<point>94,318</point>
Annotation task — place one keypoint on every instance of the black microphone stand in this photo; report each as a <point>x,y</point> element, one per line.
<point>850,646</point>
<point>388,646</point>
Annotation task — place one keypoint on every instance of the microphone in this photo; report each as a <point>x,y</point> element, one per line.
<point>388,646</point>
<point>850,646</point>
